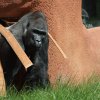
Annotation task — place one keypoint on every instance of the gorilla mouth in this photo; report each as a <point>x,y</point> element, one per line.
<point>38,44</point>
<point>35,43</point>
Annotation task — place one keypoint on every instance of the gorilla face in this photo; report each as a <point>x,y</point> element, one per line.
<point>37,38</point>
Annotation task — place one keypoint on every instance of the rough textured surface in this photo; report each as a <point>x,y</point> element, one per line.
<point>65,25</point>
<point>14,8</point>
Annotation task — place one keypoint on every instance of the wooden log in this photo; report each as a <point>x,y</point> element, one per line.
<point>2,82</point>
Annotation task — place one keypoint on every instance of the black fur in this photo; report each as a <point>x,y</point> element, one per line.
<point>32,34</point>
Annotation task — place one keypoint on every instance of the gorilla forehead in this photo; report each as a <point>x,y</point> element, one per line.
<point>38,24</point>
<point>36,19</point>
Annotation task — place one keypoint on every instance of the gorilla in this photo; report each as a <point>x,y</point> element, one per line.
<point>31,32</point>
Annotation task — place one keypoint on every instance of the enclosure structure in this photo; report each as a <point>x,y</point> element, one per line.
<point>80,45</point>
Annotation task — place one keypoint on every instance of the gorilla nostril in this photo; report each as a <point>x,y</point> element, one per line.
<point>38,41</point>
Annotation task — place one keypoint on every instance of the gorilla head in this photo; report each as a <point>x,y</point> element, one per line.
<point>36,31</point>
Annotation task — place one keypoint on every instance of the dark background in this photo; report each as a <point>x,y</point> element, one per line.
<point>93,9</point>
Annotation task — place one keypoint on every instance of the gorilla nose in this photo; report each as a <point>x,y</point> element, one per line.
<point>38,43</point>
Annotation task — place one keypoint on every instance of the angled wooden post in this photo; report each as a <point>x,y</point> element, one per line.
<point>2,82</point>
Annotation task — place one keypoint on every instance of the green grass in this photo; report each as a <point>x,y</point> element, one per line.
<point>85,91</point>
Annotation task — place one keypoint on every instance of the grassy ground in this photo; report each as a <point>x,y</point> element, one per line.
<point>85,91</point>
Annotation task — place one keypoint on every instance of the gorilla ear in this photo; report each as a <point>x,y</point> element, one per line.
<point>25,23</point>
<point>28,24</point>
<point>25,31</point>
<point>25,27</point>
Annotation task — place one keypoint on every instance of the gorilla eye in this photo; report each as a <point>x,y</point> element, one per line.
<point>39,32</point>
